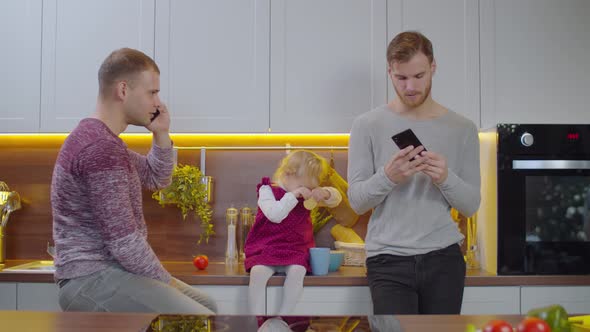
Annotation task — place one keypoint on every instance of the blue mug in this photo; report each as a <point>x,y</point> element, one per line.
<point>320,260</point>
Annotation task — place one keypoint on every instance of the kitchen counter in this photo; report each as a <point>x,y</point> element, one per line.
<point>122,322</point>
<point>219,274</point>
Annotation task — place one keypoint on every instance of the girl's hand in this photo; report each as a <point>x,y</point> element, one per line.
<point>302,192</point>
<point>320,194</point>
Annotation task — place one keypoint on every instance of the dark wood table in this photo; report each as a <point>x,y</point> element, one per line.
<point>28,321</point>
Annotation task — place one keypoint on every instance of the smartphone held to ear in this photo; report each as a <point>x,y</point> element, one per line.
<point>155,115</point>
<point>405,139</point>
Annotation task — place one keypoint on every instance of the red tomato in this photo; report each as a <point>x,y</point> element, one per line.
<point>533,324</point>
<point>201,262</point>
<point>497,325</point>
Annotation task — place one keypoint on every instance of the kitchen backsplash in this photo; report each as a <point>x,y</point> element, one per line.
<point>27,165</point>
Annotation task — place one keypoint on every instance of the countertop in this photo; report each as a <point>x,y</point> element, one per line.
<point>218,273</point>
<point>122,322</point>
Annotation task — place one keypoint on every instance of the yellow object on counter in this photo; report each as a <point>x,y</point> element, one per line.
<point>345,234</point>
<point>580,323</point>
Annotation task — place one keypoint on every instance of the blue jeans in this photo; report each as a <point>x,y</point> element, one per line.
<point>431,283</point>
<point>116,290</point>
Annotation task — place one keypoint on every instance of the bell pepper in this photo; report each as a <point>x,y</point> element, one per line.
<point>555,315</point>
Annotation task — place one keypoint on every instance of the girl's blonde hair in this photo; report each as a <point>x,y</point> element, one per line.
<point>304,164</point>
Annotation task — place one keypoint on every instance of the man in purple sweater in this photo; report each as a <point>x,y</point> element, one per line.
<point>103,259</point>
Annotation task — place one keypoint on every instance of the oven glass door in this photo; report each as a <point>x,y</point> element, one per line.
<point>544,217</point>
<point>557,208</point>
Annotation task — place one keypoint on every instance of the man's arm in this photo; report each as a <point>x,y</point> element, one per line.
<point>105,170</point>
<point>156,168</point>
<point>462,191</point>
<point>160,127</point>
<point>367,186</point>
<point>162,139</point>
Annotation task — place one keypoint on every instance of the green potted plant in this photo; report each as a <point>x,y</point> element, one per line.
<point>188,193</point>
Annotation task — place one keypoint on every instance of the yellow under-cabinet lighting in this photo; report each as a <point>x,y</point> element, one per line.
<point>31,140</point>
<point>47,140</point>
<point>42,140</point>
<point>487,214</point>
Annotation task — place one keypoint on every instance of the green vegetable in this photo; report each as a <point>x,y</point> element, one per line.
<point>188,193</point>
<point>470,328</point>
<point>180,323</point>
<point>555,315</point>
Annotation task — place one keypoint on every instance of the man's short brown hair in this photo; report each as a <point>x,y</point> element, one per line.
<point>407,44</point>
<point>123,64</point>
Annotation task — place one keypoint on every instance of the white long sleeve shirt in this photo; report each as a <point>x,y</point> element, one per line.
<point>277,210</point>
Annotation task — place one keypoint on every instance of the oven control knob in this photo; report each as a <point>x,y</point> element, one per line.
<point>527,139</point>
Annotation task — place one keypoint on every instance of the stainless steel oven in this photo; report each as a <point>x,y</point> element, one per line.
<point>543,199</point>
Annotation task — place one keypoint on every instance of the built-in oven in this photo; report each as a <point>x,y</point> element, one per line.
<point>543,199</point>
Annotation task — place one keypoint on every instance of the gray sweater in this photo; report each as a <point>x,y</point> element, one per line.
<point>413,217</point>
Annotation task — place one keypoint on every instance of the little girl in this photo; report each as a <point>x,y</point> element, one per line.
<point>282,234</point>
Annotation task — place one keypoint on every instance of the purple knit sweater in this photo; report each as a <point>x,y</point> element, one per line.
<point>97,203</point>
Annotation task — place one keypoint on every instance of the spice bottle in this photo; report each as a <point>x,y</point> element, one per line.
<point>244,228</point>
<point>231,219</point>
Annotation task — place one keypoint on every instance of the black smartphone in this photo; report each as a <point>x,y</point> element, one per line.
<point>155,115</point>
<point>405,139</point>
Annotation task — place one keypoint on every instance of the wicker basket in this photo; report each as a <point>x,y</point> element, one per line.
<point>354,253</point>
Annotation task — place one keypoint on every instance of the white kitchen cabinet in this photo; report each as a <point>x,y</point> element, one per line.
<point>534,61</point>
<point>77,37</point>
<point>38,297</point>
<point>214,58</point>
<point>336,300</point>
<point>491,300</point>
<point>575,299</point>
<point>20,65</point>
<point>324,300</point>
<point>231,300</point>
<point>327,63</point>
<point>452,27</point>
<point>7,296</point>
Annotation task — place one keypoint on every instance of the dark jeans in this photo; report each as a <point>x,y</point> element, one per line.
<point>431,283</point>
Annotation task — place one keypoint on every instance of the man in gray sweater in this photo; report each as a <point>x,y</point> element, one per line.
<point>414,262</point>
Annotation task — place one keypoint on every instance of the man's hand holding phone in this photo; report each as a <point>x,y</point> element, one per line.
<point>160,120</point>
<point>404,164</point>
<point>406,138</point>
<point>417,158</point>
<point>436,166</point>
<point>160,126</point>
<point>408,160</point>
